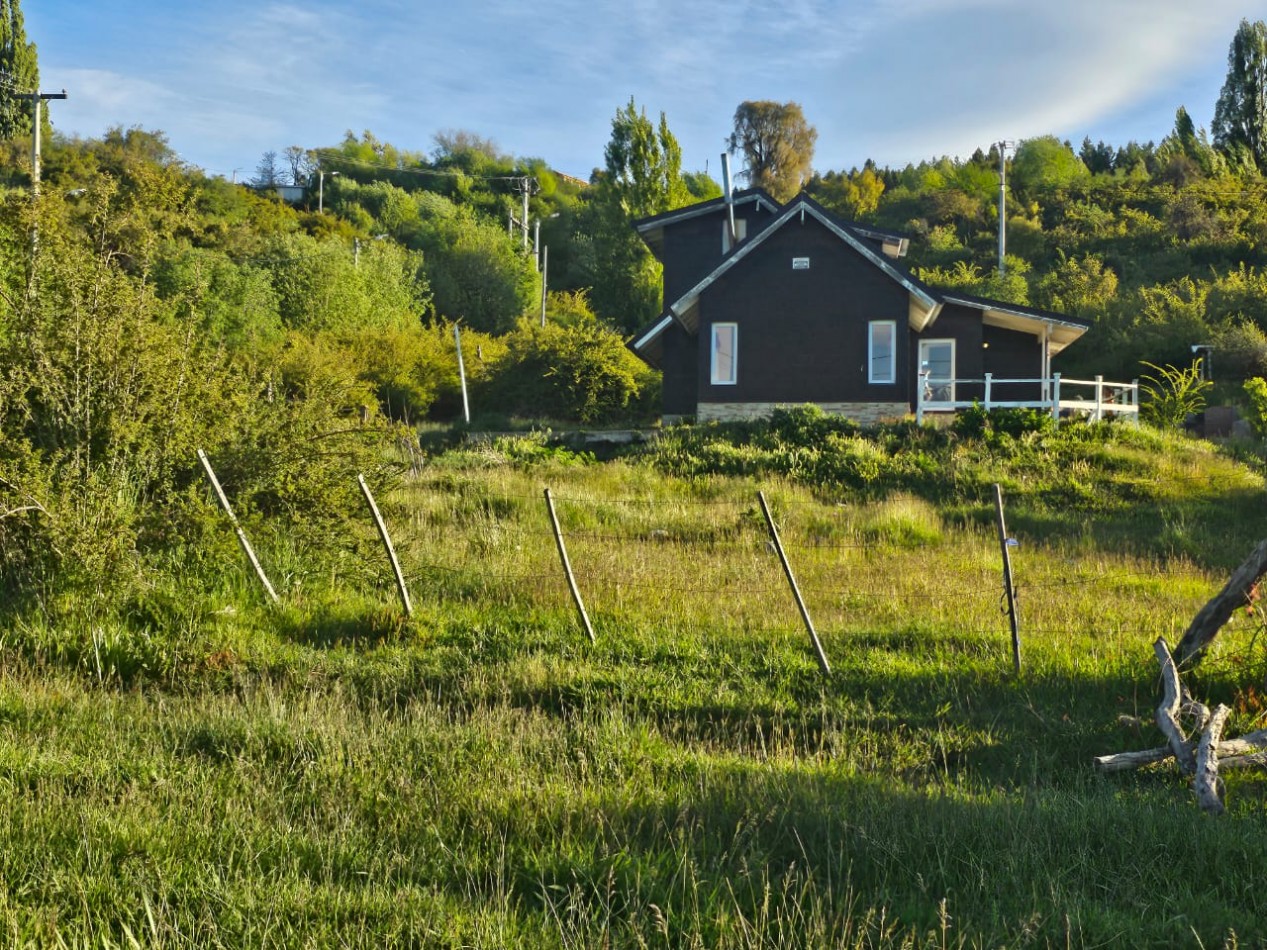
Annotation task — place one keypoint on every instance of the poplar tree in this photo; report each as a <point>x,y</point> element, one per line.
<point>19,71</point>
<point>1240,116</point>
<point>643,177</point>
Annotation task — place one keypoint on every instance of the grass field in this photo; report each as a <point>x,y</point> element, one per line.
<point>206,770</point>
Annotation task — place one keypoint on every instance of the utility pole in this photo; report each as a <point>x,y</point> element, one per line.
<point>37,100</point>
<point>321,190</point>
<point>37,110</point>
<point>545,263</point>
<point>1002,146</point>
<point>527,187</point>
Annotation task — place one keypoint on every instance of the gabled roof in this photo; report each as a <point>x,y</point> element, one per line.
<point>1060,328</point>
<point>652,229</point>
<point>924,300</point>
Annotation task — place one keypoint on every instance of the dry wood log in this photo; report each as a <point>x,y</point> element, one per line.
<point>1210,618</point>
<point>1257,761</point>
<point>1206,782</point>
<point>1241,752</point>
<point>1125,761</point>
<point>1168,709</point>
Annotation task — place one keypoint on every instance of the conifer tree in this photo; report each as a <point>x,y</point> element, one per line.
<point>1240,116</point>
<point>19,71</point>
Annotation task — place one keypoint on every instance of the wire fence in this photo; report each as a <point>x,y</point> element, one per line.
<point>700,561</point>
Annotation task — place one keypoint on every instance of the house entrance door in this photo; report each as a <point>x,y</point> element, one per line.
<point>937,359</point>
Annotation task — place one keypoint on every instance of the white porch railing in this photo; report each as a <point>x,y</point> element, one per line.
<point>1097,398</point>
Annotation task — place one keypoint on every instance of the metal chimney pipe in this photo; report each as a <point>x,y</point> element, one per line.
<point>730,198</point>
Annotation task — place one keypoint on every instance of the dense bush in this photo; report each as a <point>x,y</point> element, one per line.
<point>583,373</point>
<point>110,388</point>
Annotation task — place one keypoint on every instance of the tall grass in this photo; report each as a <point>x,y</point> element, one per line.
<point>211,771</point>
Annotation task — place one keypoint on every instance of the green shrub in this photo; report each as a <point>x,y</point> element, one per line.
<point>1256,414</point>
<point>109,390</point>
<point>583,373</point>
<point>1173,394</point>
<point>976,422</point>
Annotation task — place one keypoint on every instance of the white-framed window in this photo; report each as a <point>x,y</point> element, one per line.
<point>725,355</point>
<point>937,359</point>
<point>741,232</point>
<point>882,351</point>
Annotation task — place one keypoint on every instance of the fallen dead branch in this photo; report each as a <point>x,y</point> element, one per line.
<point>1200,750</point>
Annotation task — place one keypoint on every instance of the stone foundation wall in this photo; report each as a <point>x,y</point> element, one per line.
<point>864,412</point>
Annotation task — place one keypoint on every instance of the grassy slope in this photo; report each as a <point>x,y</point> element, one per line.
<point>210,772</point>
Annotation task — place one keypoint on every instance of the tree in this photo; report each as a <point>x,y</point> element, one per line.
<point>1098,157</point>
<point>1079,286</point>
<point>19,71</point>
<point>777,144</point>
<point>1240,115</point>
<point>299,163</point>
<point>1186,152</point>
<point>267,173</point>
<point>1045,164</point>
<point>644,164</point>
<point>643,177</point>
<point>854,196</point>
<point>478,273</point>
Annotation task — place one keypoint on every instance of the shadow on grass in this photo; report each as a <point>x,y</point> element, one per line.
<point>355,627</point>
<point>811,860</point>
<point>1213,530</point>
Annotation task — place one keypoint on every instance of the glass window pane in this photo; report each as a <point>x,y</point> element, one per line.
<point>724,363</point>
<point>882,356</point>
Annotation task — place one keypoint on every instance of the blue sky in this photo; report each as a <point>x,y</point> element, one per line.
<point>894,80</point>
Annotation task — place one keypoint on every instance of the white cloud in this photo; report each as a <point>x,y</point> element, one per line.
<point>896,80</point>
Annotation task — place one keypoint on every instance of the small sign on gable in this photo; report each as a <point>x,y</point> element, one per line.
<point>800,263</point>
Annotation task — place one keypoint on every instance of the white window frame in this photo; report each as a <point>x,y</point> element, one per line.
<point>947,384</point>
<point>713,376</point>
<point>872,376</point>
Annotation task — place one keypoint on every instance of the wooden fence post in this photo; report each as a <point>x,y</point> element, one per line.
<point>387,543</point>
<point>466,405</point>
<point>989,385</point>
<point>1004,544</point>
<point>796,591</point>
<point>567,569</point>
<point>246,545</point>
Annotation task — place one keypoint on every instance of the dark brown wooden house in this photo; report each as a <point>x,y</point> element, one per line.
<point>802,307</point>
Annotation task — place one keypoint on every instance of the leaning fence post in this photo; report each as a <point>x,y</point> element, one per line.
<point>1005,544</point>
<point>567,569</point>
<point>246,545</point>
<point>466,405</point>
<point>387,543</point>
<point>796,591</point>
